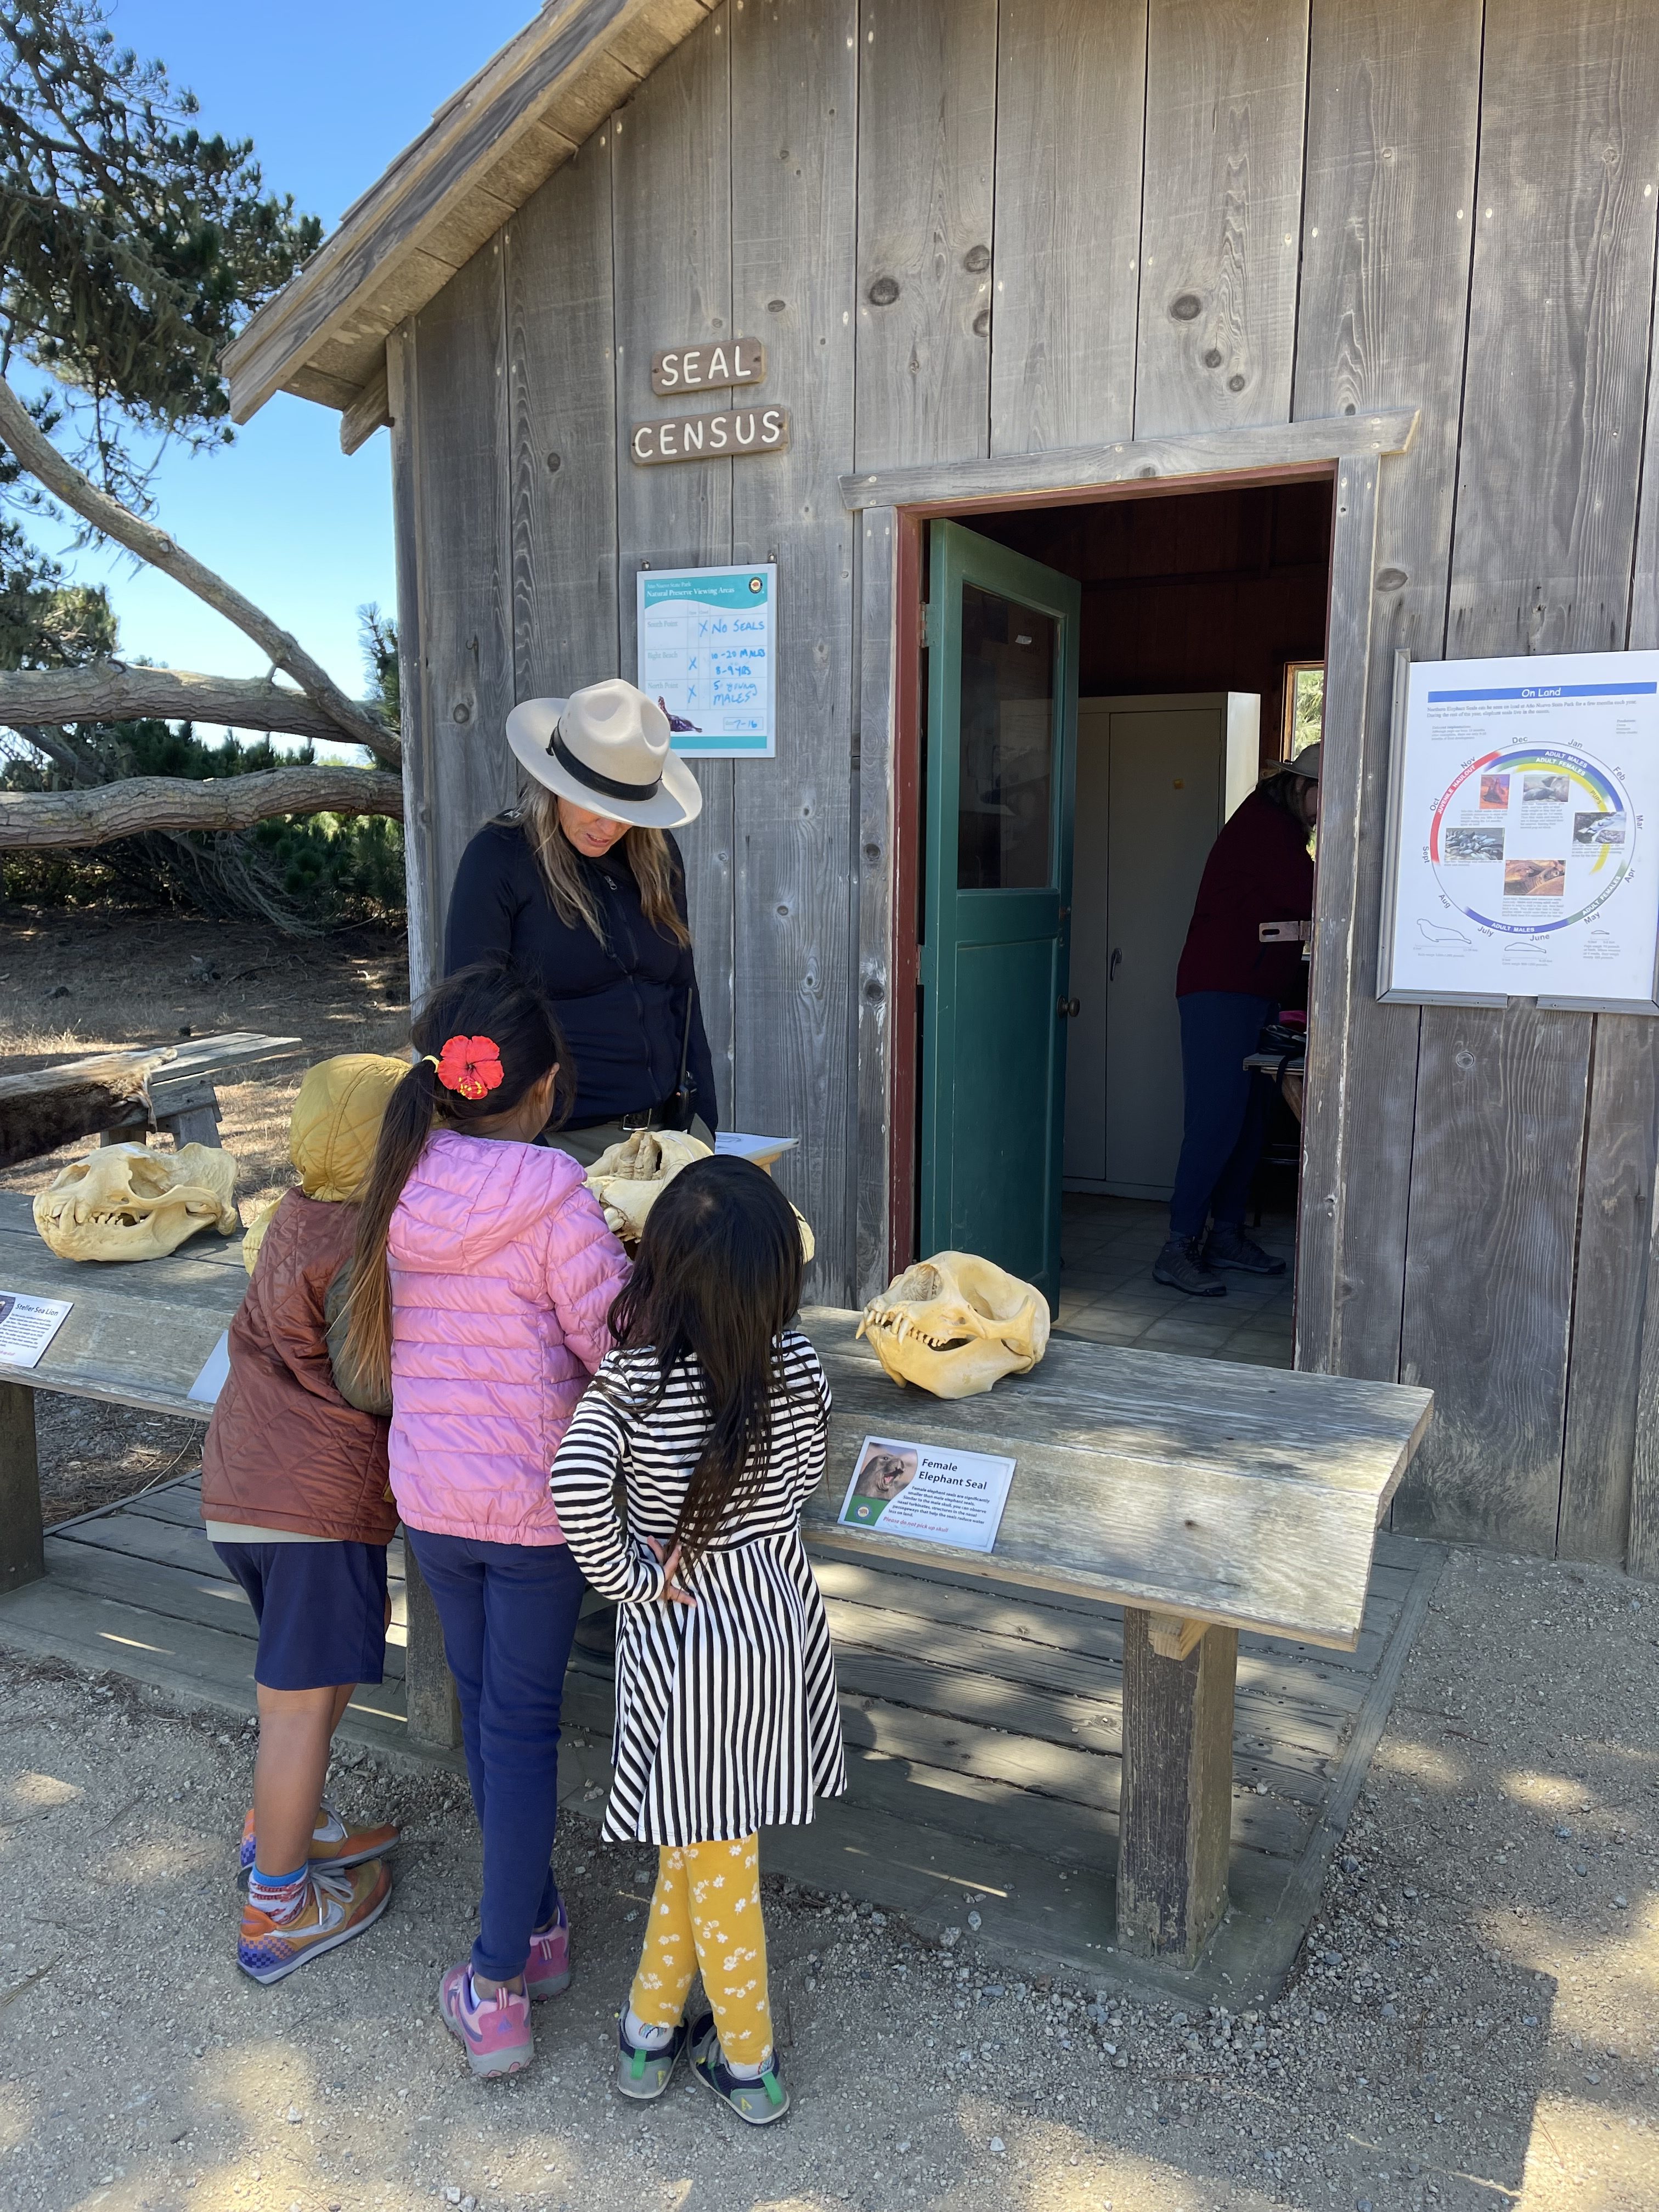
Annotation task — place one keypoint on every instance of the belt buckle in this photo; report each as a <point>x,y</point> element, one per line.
<point>641,1120</point>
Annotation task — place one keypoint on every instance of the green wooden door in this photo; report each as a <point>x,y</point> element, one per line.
<point>1002,685</point>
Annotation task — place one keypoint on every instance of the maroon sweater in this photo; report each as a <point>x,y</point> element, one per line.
<point>1259,870</point>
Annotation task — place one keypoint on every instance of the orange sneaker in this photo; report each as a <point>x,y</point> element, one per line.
<point>334,1843</point>
<point>338,1906</point>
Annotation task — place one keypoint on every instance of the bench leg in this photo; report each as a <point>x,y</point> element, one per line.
<point>195,1125</point>
<point>1175,1813</point>
<point>22,1545</point>
<point>434,1713</point>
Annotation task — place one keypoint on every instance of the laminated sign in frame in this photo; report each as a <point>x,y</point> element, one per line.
<point>1523,834</point>
<point>707,655</point>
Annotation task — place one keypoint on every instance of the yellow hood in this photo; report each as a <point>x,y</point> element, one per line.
<point>337,1122</point>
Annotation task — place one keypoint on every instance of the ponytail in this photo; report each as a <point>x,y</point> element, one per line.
<point>410,1111</point>
<point>488,1004</point>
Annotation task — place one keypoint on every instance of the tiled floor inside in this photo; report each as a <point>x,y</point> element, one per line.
<point>1108,1246</point>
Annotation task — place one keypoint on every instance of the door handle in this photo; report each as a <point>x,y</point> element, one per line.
<point>1069,1009</point>
<point>1116,962</point>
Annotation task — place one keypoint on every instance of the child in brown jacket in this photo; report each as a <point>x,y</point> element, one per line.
<point>296,1503</point>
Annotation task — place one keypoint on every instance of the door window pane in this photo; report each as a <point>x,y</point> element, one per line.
<point>1005,805</point>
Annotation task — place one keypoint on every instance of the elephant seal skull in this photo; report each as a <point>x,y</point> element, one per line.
<point>125,1202</point>
<point>955,1324</point>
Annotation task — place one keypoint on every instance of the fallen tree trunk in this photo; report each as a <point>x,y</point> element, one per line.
<point>109,691</point>
<point>42,460</point>
<point>53,1106</point>
<point>31,821</point>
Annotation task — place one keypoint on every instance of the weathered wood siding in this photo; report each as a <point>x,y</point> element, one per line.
<point>970,228</point>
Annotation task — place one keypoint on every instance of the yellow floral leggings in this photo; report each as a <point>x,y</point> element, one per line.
<point>706,1912</point>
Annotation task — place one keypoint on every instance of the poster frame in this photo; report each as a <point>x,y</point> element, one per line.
<point>718,748</point>
<point>1387,991</point>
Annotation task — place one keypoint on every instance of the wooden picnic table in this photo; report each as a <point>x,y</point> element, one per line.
<point>1202,1497</point>
<point>117,1096</point>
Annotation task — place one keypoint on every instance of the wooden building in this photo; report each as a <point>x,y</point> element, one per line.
<point>1369,280</point>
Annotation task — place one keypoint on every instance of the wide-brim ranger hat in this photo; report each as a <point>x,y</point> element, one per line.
<point>606,748</point>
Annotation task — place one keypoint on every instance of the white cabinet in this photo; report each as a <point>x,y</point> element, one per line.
<point>1155,779</point>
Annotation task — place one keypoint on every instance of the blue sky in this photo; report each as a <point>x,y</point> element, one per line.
<point>329,94</point>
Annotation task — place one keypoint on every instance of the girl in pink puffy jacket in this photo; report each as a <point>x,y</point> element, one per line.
<point>483,1278</point>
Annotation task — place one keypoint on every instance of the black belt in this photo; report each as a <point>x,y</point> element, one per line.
<point>644,1117</point>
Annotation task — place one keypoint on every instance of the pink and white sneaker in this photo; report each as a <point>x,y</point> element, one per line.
<point>494,2032</point>
<point>547,1970</point>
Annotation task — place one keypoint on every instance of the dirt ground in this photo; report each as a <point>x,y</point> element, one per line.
<point>1474,2021</point>
<point>72,983</point>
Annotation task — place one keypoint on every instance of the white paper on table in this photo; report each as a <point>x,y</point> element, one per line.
<point>733,1145</point>
<point>27,1325</point>
<point>928,1494</point>
<point>215,1367</point>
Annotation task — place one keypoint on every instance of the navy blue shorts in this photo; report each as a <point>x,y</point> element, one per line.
<point>321,1611</point>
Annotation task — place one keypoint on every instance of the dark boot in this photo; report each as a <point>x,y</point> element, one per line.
<point>1179,1265</point>
<point>1229,1246</point>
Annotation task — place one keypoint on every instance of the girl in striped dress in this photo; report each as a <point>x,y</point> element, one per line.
<point>714,1412</point>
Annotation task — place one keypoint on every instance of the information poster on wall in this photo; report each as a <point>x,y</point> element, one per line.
<point>931,1495</point>
<point>1525,833</point>
<point>707,656</point>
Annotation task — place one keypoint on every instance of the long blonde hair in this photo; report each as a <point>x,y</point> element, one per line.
<point>646,851</point>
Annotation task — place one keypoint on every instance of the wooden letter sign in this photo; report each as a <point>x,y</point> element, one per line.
<point>704,437</point>
<point>708,367</point>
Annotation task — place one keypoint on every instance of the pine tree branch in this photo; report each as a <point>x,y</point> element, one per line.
<point>41,458</point>
<point>61,751</point>
<point>110,691</point>
<point>32,821</point>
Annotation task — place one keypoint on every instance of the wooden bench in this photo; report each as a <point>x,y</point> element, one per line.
<point>117,1096</point>
<point>1204,1498</point>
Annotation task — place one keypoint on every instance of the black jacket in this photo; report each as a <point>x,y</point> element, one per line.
<point>622,1003</point>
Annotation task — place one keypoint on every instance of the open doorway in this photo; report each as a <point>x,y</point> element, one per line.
<point>1192,626</point>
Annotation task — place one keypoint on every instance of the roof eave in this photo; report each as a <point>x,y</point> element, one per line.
<point>483,154</point>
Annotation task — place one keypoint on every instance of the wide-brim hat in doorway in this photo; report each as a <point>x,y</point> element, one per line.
<point>606,748</point>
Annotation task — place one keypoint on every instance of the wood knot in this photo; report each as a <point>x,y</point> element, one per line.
<point>976,259</point>
<point>883,292</point>
<point>982,322</point>
<point>1186,306</point>
<point>1391,579</point>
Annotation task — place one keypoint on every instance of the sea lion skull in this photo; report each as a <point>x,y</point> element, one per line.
<point>629,1178</point>
<point>955,1324</point>
<point>125,1202</point>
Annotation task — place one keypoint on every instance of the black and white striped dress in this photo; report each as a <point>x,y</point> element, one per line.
<point>726,1713</point>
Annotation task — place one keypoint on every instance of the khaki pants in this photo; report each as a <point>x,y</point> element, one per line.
<point>585,1145</point>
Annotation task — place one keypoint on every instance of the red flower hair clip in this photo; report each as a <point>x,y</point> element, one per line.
<point>470,1065</point>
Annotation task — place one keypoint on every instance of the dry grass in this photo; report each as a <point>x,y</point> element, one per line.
<point>140,979</point>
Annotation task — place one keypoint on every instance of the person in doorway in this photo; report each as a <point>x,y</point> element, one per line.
<point>1227,984</point>
<point>582,888</point>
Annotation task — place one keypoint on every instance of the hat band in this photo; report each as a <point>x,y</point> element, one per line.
<point>608,786</point>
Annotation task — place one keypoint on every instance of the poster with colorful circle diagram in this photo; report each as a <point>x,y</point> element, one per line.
<point>1524,834</point>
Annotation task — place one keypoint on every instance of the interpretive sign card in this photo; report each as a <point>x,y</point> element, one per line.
<point>215,1373</point>
<point>27,1325</point>
<point>706,639</point>
<point>1524,834</point>
<point>923,1491</point>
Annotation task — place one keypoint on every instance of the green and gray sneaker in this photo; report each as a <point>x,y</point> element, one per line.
<point>644,2075</point>
<point>759,2100</point>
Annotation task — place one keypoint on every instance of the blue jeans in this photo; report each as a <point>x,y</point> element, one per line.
<point>509,1617</point>
<point>1226,1117</point>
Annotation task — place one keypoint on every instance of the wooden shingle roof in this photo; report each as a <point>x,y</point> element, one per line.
<point>480,158</point>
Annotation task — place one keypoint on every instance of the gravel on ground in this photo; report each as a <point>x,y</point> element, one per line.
<point>1474,2021</point>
